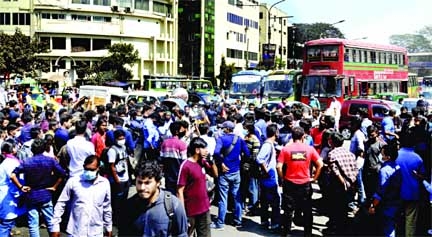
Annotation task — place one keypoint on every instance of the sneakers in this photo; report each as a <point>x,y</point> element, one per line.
<point>237,224</point>
<point>274,227</point>
<point>216,226</point>
<point>430,231</point>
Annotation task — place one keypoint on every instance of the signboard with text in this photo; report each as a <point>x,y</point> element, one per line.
<point>268,56</point>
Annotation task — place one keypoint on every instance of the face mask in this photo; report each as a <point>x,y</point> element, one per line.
<point>90,175</point>
<point>18,133</point>
<point>245,132</point>
<point>121,142</point>
<point>195,110</point>
<point>139,118</point>
<point>182,134</point>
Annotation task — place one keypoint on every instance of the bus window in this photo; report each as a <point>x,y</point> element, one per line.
<point>330,53</point>
<point>314,54</point>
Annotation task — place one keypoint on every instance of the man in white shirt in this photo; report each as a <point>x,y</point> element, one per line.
<point>79,148</point>
<point>335,111</point>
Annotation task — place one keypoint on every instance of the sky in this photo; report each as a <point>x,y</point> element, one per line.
<point>375,19</point>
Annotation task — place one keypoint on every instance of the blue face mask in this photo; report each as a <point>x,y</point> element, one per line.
<point>90,175</point>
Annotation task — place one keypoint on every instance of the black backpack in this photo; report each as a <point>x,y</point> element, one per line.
<point>105,168</point>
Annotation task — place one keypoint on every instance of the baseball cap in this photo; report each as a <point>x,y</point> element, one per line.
<point>227,124</point>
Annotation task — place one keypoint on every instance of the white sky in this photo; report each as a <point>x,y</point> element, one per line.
<point>375,19</point>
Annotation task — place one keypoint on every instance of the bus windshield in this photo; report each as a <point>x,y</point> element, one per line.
<point>322,86</point>
<point>278,84</point>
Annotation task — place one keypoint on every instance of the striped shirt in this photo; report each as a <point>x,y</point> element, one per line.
<point>173,153</point>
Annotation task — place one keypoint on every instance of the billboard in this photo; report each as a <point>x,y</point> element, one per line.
<point>268,56</point>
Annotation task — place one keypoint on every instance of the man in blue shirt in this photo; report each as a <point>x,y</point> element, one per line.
<point>145,213</point>
<point>27,119</point>
<point>388,129</point>
<point>39,186</point>
<point>410,161</point>
<point>110,140</point>
<point>61,136</point>
<point>227,153</point>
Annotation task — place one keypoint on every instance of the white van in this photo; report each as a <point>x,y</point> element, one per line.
<point>100,95</point>
<point>147,96</point>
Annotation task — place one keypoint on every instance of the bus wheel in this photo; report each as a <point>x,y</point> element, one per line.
<point>346,133</point>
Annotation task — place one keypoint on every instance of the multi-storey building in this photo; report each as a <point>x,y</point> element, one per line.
<point>237,33</point>
<point>275,21</point>
<point>79,31</point>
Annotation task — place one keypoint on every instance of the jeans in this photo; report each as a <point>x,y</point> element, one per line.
<point>47,211</point>
<point>119,194</point>
<point>389,218</point>
<point>6,227</point>
<point>360,188</point>
<point>229,183</point>
<point>253,191</point>
<point>270,197</point>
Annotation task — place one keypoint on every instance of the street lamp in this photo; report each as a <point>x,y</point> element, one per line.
<point>269,17</point>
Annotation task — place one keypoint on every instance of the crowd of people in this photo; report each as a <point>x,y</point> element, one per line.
<point>71,167</point>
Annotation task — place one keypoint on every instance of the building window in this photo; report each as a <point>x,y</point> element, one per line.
<point>160,7</point>
<point>81,1</point>
<point>5,18</point>
<point>58,43</point>
<point>102,2</point>
<point>124,3</point>
<point>99,44</point>
<point>20,18</point>
<point>142,5</point>
<point>61,65</point>
<point>101,19</point>
<point>81,18</point>
<point>58,16</point>
<point>46,16</point>
<point>80,44</point>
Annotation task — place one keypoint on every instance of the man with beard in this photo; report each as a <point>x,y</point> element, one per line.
<point>192,189</point>
<point>90,214</point>
<point>146,214</point>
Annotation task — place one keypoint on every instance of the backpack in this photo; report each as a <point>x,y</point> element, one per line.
<point>169,210</point>
<point>24,152</point>
<point>105,168</point>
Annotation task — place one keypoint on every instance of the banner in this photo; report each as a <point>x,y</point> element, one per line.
<point>268,56</point>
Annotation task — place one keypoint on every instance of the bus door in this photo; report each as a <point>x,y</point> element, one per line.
<point>348,85</point>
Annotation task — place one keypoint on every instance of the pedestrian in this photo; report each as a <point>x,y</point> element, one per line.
<point>297,188</point>
<point>10,207</point>
<point>118,173</point>
<point>343,169</point>
<point>227,153</point>
<point>173,153</point>
<point>91,215</point>
<point>192,188</point>
<point>410,191</point>
<point>39,172</point>
<point>386,201</point>
<point>152,211</point>
<point>78,148</point>
<point>270,196</point>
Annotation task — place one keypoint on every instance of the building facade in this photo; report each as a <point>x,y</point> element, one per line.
<point>80,31</point>
<point>275,21</point>
<point>237,34</point>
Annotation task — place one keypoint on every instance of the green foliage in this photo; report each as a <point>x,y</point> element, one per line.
<point>225,74</point>
<point>280,63</point>
<point>112,67</point>
<point>305,32</point>
<point>18,54</point>
<point>414,43</point>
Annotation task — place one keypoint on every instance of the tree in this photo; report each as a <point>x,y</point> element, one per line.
<point>279,63</point>
<point>305,32</point>
<point>113,66</point>
<point>19,54</point>
<point>414,43</point>
<point>225,74</point>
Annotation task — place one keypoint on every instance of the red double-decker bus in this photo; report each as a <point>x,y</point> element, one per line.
<point>349,68</point>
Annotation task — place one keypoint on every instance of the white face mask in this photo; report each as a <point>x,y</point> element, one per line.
<point>121,142</point>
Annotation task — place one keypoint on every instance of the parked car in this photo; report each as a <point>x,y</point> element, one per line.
<point>146,96</point>
<point>377,110</point>
<point>199,98</point>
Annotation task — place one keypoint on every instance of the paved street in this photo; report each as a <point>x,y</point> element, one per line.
<point>251,224</point>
